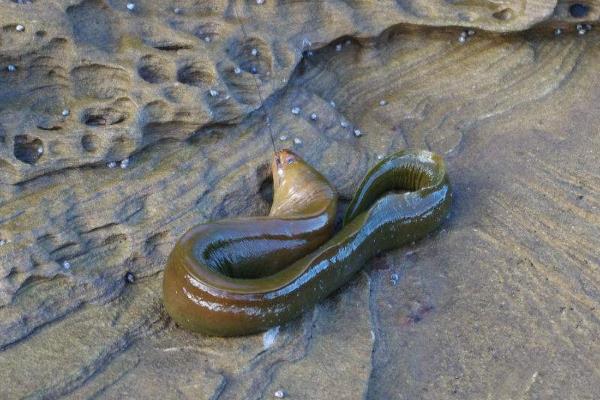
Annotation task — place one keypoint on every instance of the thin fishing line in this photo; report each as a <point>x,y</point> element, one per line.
<point>256,83</point>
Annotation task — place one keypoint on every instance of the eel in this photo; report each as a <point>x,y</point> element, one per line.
<point>244,275</point>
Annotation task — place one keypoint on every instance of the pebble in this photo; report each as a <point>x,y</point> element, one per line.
<point>338,47</point>
<point>583,29</point>
<point>464,35</point>
<point>177,10</point>
<point>112,164</point>
<point>306,43</point>
<point>125,163</point>
<point>394,278</point>
<point>380,156</point>
<point>254,52</point>
<point>557,32</point>
<point>332,103</point>
<point>3,242</point>
<point>357,133</point>
<point>129,277</point>
<point>283,138</point>
<point>313,116</point>
<point>382,103</point>
<point>65,112</point>
<point>343,124</point>
<point>296,110</point>
<point>280,394</point>
<point>297,141</point>
<point>130,6</point>
<point>213,92</point>
<point>269,337</point>
<point>20,28</point>
<point>11,68</point>
<point>260,1</point>
<point>66,265</point>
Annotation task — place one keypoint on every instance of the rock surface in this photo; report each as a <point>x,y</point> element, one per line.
<point>120,129</point>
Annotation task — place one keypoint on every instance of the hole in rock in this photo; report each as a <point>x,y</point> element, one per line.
<point>103,116</point>
<point>153,69</point>
<point>504,15</point>
<point>579,10</point>
<point>27,149</point>
<point>266,190</point>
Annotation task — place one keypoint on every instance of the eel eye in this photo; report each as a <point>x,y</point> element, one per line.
<point>289,160</point>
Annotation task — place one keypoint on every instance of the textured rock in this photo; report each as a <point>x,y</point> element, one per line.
<point>131,78</point>
<point>502,303</point>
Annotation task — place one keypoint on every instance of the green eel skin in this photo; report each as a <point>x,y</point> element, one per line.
<point>242,276</point>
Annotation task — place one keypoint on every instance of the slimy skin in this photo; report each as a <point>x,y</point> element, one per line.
<point>241,276</point>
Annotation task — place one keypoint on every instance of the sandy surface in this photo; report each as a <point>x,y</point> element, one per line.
<point>120,129</point>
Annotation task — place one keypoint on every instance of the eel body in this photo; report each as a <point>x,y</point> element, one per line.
<point>241,276</point>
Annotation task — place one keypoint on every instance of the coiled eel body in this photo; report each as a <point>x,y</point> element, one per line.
<point>241,276</point>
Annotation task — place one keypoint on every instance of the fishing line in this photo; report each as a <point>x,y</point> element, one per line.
<point>256,83</point>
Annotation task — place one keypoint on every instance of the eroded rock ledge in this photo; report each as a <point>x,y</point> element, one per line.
<point>94,82</point>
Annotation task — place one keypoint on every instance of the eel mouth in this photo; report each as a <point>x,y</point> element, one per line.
<point>282,161</point>
<point>285,157</point>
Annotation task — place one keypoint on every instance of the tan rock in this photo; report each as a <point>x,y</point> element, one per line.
<point>502,303</point>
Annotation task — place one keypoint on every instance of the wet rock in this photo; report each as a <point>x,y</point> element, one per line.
<point>502,302</point>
